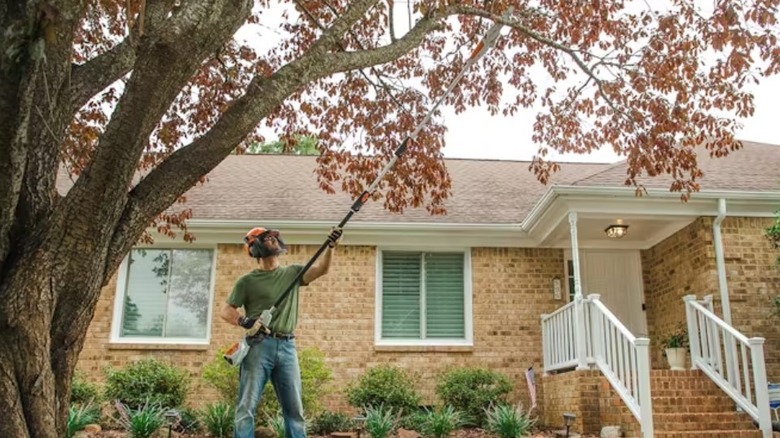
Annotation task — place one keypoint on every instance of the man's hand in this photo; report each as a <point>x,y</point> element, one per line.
<point>334,237</point>
<point>255,328</point>
<point>245,322</point>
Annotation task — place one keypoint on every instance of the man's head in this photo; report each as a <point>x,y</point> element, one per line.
<point>261,242</point>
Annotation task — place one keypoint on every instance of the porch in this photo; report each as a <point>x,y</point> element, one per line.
<point>603,361</point>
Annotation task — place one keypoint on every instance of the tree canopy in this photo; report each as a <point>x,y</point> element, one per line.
<point>166,89</point>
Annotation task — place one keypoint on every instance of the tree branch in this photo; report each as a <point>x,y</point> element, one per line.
<point>95,75</point>
<point>163,185</point>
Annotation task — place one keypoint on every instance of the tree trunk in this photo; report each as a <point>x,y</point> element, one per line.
<point>39,343</point>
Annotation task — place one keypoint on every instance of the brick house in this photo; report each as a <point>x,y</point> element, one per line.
<point>509,251</point>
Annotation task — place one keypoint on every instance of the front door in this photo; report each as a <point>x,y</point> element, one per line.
<point>617,277</point>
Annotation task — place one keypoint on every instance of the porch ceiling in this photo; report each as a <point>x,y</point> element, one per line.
<point>643,231</point>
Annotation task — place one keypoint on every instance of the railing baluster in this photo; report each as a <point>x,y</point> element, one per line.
<point>746,372</point>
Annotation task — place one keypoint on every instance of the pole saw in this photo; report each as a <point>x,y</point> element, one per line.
<point>479,51</point>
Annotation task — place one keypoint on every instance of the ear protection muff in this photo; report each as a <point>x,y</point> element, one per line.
<point>255,246</point>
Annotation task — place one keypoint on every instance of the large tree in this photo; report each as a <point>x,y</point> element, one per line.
<point>105,90</point>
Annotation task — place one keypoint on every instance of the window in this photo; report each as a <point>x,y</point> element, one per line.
<point>165,296</point>
<point>425,298</point>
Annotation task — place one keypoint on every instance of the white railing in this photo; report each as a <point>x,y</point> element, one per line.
<point>622,358</point>
<point>558,337</point>
<point>733,361</point>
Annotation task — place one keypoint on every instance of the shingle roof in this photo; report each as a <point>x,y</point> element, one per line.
<point>284,188</point>
<point>755,167</point>
<point>273,187</point>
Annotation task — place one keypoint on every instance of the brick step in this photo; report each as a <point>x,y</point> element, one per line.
<point>683,399</point>
<point>700,422</point>
<point>686,393</point>
<point>677,406</point>
<point>711,434</point>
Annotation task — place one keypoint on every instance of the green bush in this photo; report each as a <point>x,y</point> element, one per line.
<point>219,418</point>
<point>380,421</point>
<point>328,422</point>
<point>414,420</point>
<point>508,422</point>
<point>384,385</point>
<point>83,391</point>
<point>143,421</point>
<point>188,421</point>
<point>472,390</point>
<point>440,423</point>
<point>148,382</point>
<point>79,416</point>
<point>315,377</point>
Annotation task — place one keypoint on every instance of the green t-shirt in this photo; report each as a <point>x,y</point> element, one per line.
<point>258,290</point>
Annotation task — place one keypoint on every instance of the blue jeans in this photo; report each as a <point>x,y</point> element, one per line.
<point>275,359</point>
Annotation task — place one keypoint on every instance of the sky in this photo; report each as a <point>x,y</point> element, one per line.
<point>505,138</point>
<point>478,135</point>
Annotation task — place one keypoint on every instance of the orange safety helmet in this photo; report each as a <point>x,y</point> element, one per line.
<point>254,242</point>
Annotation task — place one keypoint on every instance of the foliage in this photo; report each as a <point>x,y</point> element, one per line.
<point>82,391</point>
<point>315,379</point>
<point>79,416</point>
<point>148,381</point>
<point>142,422</point>
<point>276,424</point>
<point>472,390</point>
<point>328,422</point>
<point>297,145</point>
<point>380,421</point>
<point>773,234</point>
<point>188,421</point>
<point>441,422</point>
<point>507,421</point>
<point>677,338</point>
<point>384,385</point>
<point>218,418</point>
<point>414,420</point>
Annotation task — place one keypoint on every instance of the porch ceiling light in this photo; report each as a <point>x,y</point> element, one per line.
<point>616,231</point>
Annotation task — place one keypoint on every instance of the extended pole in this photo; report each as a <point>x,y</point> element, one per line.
<point>487,42</point>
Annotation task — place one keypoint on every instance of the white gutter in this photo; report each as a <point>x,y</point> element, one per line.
<point>554,192</point>
<point>720,261</point>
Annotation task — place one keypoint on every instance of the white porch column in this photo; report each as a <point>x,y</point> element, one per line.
<point>579,307</point>
<point>720,262</point>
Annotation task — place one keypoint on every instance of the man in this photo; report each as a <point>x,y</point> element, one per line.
<point>271,355</point>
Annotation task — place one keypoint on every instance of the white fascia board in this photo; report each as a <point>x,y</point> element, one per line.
<point>559,200</point>
<point>365,233</point>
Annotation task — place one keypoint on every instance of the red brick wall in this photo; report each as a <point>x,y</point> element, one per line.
<point>685,264</point>
<point>511,288</point>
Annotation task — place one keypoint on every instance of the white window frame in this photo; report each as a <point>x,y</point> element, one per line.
<point>468,313</point>
<point>121,290</point>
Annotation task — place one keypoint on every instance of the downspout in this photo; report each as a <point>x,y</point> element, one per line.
<point>579,309</point>
<point>720,261</point>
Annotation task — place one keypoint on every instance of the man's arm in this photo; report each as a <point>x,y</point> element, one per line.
<point>230,314</point>
<point>322,265</point>
<point>319,268</point>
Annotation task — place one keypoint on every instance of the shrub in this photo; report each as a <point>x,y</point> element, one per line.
<point>219,418</point>
<point>472,390</point>
<point>441,422</point>
<point>83,391</point>
<point>188,421</point>
<point>508,422</point>
<point>414,420</point>
<point>79,416</point>
<point>315,376</point>
<point>379,421</point>
<point>384,385</point>
<point>277,425</point>
<point>142,422</point>
<point>148,382</point>
<point>328,422</point>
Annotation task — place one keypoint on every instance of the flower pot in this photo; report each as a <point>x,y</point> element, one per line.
<point>676,358</point>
